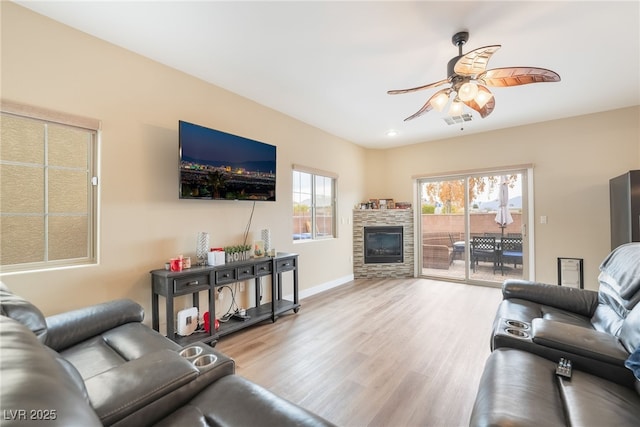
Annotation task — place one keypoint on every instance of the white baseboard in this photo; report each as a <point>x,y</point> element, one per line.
<point>322,287</point>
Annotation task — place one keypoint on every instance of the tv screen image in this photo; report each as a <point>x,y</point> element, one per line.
<point>216,165</point>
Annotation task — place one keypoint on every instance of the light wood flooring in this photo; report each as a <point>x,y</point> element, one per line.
<point>392,352</point>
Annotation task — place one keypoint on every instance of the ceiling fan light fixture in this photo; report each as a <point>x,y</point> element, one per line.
<point>440,101</point>
<point>467,75</point>
<point>456,108</point>
<point>468,91</point>
<point>483,97</point>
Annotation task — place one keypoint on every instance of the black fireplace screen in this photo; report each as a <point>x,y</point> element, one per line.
<point>383,245</point>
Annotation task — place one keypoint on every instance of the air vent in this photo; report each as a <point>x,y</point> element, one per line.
<point>451,120</point>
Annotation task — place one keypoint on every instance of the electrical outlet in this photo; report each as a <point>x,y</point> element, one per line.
<point>241,286</point>
<point>220,294</point>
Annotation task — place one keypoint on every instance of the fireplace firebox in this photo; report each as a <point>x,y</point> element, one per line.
<point>383,245</point>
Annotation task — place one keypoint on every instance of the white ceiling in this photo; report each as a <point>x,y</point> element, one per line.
<point>330,63</point>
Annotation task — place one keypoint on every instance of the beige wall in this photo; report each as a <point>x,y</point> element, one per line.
<point>142,222</point>
<point>573,161</point>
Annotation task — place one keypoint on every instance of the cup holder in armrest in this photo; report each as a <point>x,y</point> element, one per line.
<point>191,352</point>
<point>205,361</point>
<point>517,333</point>
<point>517,324</point>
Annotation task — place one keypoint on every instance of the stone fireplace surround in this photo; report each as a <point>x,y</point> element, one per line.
<point>383,217</point>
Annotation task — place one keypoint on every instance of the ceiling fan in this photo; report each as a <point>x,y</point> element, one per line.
<point>469,78</point>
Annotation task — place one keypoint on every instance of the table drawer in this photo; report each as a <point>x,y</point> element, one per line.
<point>228,275</point>
<point>245,272</point>
<point>188,284</point>
<point>263,268</point>
<point>286,264</point>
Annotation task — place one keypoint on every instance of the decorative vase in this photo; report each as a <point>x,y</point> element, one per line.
<point>265,235</point>
<point>202,248</point>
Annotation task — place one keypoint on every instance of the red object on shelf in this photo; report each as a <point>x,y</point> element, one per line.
<point>207,322</point>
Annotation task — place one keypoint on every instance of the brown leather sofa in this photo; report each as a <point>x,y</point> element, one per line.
<point>100,365</point>
<point>537,325</point>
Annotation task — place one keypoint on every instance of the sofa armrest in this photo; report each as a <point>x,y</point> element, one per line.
<point>120,391</point>
<point>580,341</point>
<point>580,301</point>
<point>72,327</point>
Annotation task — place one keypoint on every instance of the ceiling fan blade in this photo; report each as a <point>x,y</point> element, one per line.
<point>515,76</point>
<point>475,62</point>
<point>425,109</point>
<point>414,89</point>
<point>428,106</point>
<point>487,108</point>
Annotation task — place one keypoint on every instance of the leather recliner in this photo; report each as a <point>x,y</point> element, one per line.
<point>599,332</point>
<point>596,330</point>
<point>100,365</point>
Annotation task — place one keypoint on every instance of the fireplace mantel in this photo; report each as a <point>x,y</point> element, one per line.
<point>383,217</point>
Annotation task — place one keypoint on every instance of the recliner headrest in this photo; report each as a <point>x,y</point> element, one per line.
<point>23,311</point>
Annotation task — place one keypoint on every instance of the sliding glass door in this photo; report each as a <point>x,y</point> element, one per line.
<point>473,226</point>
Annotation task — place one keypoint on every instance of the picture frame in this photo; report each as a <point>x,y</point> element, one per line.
<point>571,272</point>
<point>387,204</point>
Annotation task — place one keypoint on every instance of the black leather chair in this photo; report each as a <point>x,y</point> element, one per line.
<point>597,330</point>
<point>100,365</point>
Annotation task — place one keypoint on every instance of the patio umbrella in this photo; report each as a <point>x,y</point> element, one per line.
<point>503,217</point>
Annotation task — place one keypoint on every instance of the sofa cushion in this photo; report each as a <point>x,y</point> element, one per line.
<point>594,401</point>
<point>235,401</point>
<point>35,387</point>
<point>518,388</point>
<point>72,372</point>
<point>115,347</point>
<point>23,311</point>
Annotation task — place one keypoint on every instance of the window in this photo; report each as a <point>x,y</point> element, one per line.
<point>48,189</point>
<point>314,204</point>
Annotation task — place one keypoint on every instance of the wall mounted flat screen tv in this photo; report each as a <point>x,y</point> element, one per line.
<point>216,165</point>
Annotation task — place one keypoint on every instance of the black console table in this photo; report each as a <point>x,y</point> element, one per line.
<point>171,284</point>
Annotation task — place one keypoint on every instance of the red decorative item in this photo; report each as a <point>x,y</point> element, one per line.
<point>207,322</point>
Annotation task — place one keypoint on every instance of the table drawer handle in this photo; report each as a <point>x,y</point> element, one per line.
<point>246,271</point>
<point>225,275</point>
<point>193,282</point>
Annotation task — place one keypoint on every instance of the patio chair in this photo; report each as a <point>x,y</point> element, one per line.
<point>484,248</point>
<point>511,251</point>
<point>458,249</point>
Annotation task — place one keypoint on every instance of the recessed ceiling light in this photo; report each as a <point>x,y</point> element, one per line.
<point>392,133</point>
